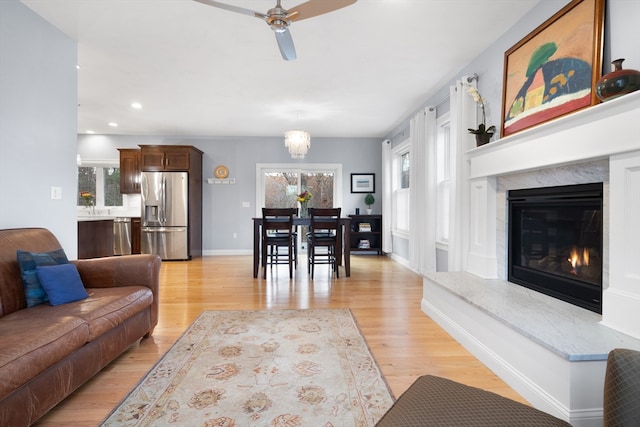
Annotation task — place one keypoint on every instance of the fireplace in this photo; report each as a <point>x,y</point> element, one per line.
<point>555,242</point>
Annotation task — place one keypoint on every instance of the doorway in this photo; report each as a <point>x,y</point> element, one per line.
<point>279,185</point>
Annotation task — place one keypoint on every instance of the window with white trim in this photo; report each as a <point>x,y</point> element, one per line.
<point>102,182</point>
<point>400,200</point>
<point>279,184</point>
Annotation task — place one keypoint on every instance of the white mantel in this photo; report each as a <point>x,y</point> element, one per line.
<point>597,132</point>
<point>597,144</point>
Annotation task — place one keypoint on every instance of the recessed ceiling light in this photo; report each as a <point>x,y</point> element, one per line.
<point>77,67</point>
<point>113,124</point>
<point>91,132</point>
<point>136,105</point>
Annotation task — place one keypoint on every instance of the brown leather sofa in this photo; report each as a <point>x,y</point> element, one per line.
<point>46,352</point>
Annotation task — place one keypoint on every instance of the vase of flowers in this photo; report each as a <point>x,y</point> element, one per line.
<point>303,199</point>
<point>483,133</point>
<point>87,199</point>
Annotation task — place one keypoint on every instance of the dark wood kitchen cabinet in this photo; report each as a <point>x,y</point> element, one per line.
<point>130,170</point>
<point>169,157</point>
<point>95,238</point>
<point>136,234</point>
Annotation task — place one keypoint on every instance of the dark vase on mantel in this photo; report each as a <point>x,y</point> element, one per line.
<point>483,138</point>
<point>618,82</point>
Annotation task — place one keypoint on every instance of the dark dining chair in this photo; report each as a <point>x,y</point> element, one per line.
<point>273,249</point>
<point>324,234</point>
<point>278,232</point>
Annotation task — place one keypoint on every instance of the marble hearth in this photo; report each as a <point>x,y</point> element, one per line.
<point>551,352</point>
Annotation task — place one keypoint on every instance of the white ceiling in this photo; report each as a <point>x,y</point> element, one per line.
<point>199,70</point>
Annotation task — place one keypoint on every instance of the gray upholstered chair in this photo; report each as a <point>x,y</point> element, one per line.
<point>622,389</point>
<point>435,401</point>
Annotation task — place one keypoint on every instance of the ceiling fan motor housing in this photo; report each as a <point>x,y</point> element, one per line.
<point>277,18</point>
<point>279,25</point>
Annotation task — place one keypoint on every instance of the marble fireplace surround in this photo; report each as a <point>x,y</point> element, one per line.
<point>582,173</point>
<point>551,352</point>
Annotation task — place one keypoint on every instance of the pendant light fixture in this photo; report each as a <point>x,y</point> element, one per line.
<point>298,142</point>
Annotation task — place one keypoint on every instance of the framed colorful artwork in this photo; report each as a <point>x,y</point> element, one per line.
<point>553,70</point>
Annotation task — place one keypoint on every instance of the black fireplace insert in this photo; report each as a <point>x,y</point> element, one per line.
<point>555,242</point>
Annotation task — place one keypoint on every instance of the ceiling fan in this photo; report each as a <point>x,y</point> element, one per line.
<point>279,18</point>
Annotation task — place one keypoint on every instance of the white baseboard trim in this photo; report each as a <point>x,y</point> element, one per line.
<point>221,252</point>
<point>402,261</point>
<point>519,382</point>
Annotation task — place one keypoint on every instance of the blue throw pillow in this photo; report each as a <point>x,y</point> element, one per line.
<point>62,283</point>
<point>28,261</point>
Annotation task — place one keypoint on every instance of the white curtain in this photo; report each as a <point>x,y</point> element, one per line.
<point>422,210</point>
<point>387,179</point>
<point>463,117</point>
<point>431,195</point>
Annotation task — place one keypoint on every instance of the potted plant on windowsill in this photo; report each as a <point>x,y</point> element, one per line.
<point>369,200</point>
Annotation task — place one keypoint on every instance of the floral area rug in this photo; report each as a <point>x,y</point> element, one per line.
<point>277,368</point>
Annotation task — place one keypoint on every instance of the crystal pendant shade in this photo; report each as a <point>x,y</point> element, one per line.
<point>298,143</point>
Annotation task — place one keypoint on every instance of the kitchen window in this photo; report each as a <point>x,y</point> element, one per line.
<point>103,181</point>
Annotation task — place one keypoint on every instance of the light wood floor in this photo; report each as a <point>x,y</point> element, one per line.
<point>383,295</point>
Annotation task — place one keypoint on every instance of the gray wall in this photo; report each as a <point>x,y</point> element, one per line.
<point>621,33</point>
<point>223,213</point>
<point>38,102</point>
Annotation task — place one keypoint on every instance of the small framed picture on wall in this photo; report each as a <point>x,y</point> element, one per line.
<point>363,183</point>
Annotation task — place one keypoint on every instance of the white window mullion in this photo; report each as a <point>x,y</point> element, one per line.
<point>99,186</point>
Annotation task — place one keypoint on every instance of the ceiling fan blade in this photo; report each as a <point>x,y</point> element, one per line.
<point>233,8</point>
<point>285,43</point>
<point>316,7</point>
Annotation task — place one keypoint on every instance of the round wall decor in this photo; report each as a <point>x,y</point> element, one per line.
<point>221,172</point>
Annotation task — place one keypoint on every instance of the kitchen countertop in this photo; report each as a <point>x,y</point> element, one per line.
<point>95,218</point>
<point>82,218</point>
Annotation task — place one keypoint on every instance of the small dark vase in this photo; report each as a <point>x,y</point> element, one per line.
<point>483,138</point>
<point>618,82</point>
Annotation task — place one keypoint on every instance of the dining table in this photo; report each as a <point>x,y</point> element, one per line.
<point>344,244</point>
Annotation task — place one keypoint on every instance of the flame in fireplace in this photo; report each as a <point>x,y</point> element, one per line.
<point>578,259</point>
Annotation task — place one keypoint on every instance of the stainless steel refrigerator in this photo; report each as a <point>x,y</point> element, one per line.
<point>165,208</point>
